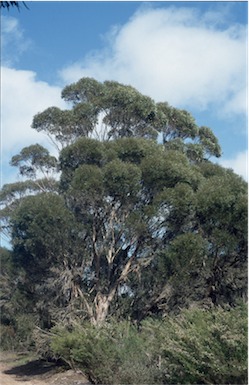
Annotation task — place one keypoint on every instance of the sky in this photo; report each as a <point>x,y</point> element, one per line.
<point>191,54</point>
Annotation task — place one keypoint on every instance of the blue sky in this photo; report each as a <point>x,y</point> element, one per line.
<point>191,54</point>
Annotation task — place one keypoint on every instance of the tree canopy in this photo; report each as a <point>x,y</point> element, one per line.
<point>132,218</point>
<point>110,110</point>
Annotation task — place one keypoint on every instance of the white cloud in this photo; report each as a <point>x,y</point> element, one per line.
<point>239,164</point>
<point>13,41</point>
<point>23,96</point>
<point>176,55</point>
<point>238,103</point>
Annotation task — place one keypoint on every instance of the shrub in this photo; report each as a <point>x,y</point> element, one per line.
<point>18,335</point>
<point>195,347</point>
<point>201,346</point>
<point>7,341</point>
<point>113,354</point>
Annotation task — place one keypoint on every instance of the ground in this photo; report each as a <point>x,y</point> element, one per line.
<point>22,370</point>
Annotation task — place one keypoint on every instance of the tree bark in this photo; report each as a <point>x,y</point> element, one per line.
<point>102,304</point>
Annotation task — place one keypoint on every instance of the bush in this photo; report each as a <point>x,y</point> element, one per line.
<point>112,354</point>
<point>18,335</point>
<point>7,341</point>
<point>196,347</point>
<point>200,347</point>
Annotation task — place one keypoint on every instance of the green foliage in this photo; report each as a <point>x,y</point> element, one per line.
<point>85,90</point>
<point>33,159</point>
<point>59,125</point>
<point>129,112</point>
<point>123,112</point>
<point>221,209</point>
<point>218,195</point>
<point>88,181</point>
<point>177,205</point>
<point>176,123</point>
<point>6,287</point>
<point>115,353</point>
<point>85,151</point>
<point>206,346</point>
<point>166,169</point>
<point>41,236</point>
<point>18,334</point>
<point>185,251</point>
<point>209,142</point>
<point>195,347</point>
<point>122,180</point>
<point>37,227</point>
<point>133,151</point>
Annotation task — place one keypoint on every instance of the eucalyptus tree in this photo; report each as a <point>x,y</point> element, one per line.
<point>118,216</point>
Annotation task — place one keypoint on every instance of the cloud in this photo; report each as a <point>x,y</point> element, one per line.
<point>13,41</point>
<point>23,96</point>
<point>239,164</point>
<point>237,104</point>
<point>174,54</point>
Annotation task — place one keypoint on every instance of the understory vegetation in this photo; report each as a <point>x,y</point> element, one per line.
<point>196,347</point>
<point>128,255</point>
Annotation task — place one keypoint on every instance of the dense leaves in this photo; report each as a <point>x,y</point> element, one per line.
<point>37,226</point>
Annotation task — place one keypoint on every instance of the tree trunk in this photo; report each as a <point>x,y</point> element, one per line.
<point>102,304</point>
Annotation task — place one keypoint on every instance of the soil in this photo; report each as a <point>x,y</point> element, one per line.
<point>36,372</point>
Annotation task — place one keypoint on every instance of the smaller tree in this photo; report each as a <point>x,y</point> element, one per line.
<point>44,245</point>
